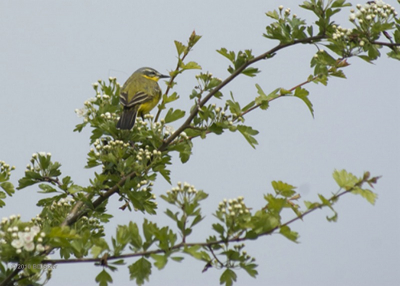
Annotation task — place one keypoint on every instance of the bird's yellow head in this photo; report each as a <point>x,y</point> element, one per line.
<point>150,73</point>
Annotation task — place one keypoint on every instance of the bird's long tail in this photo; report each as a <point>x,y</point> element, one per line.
<point>127,119</point>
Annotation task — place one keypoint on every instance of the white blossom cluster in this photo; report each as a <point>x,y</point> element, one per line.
<point>233,207</point>
<point>94,222</point>
<point>67,202</point>
<point>10,219</point>
<point>89,108</point>
<point>28,239</point>
<point>146,154</point>
<point>109,115</point>
<point>221,115</point>
<point>182,188</point>
<point>373,12</point>
<point>341,33</point>
<point>287,11</point>
<point>25,240</point>
<point>6,168</point>
<point>100,146</point>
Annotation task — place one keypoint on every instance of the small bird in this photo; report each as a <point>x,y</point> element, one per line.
<point>139,95</point>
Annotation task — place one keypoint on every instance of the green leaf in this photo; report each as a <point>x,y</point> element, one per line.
<point>104,278</point>
<point>344,179</point>
<point>251,72</point>
<point>8,188</point>
<point>303,95</point>
<point>367,194</point>
<point>228,277</point>
<point>160,260</point>
<point>140,271</point>
<point>135,238</point>
<point>180,48</point>
<point>194,252</point>
<point>218,228</point>
<point>248,134</point>
<point>229,55</point>
<point>191,66</point>
<point>288,233</point>
<point>167,99</point>
<point>261,100</point>
<point>47,189</point>
<point>250,269</point>
<point>177,258</point>
<point>173,115</point>
<point>394,54</point>
<point>273,14</point>
<point>283,189</point>
<point>340,4</point>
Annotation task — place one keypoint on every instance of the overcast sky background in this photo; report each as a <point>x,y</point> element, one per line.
<point>52,51</point>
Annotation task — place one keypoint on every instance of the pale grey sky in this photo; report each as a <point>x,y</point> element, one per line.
<point>51,53</point>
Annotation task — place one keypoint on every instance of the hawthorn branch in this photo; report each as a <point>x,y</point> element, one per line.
<point>232,77</point>
<point>207,245</point>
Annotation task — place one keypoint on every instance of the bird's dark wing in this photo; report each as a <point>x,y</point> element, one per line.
<point>137,99</point>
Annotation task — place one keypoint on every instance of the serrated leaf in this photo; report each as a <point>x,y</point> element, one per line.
<point>173,115</point>
<point>261,100</point>
<point>140,271</point>
<point>229,55</point>
<point>191,66</point>
<point>251,72</point>
<point>218,228</point>
<point>250,269</point>
<point>344,179</point>
<point>273,14</point>
<point>160,260</point>
<point>303,95</point>
<point>248,134</point>
<point>367,194</point>
<point>288,233</point>
<point>46,189</point>
<point>180,48</point>
<point>283,189</point>
<point>103,278</point>
<point>8,188</point>
<point>228,277</point>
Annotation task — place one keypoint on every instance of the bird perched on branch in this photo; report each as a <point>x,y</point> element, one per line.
<point>139,95</point>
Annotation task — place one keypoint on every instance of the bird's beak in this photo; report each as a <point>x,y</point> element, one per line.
<point>164,76</point>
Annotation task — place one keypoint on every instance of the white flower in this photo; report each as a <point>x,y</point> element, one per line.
<point>35,230</point>
<point>28,237</point>
<point>17,243</point>
<point>29,246</point>
<point>80,112</point>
